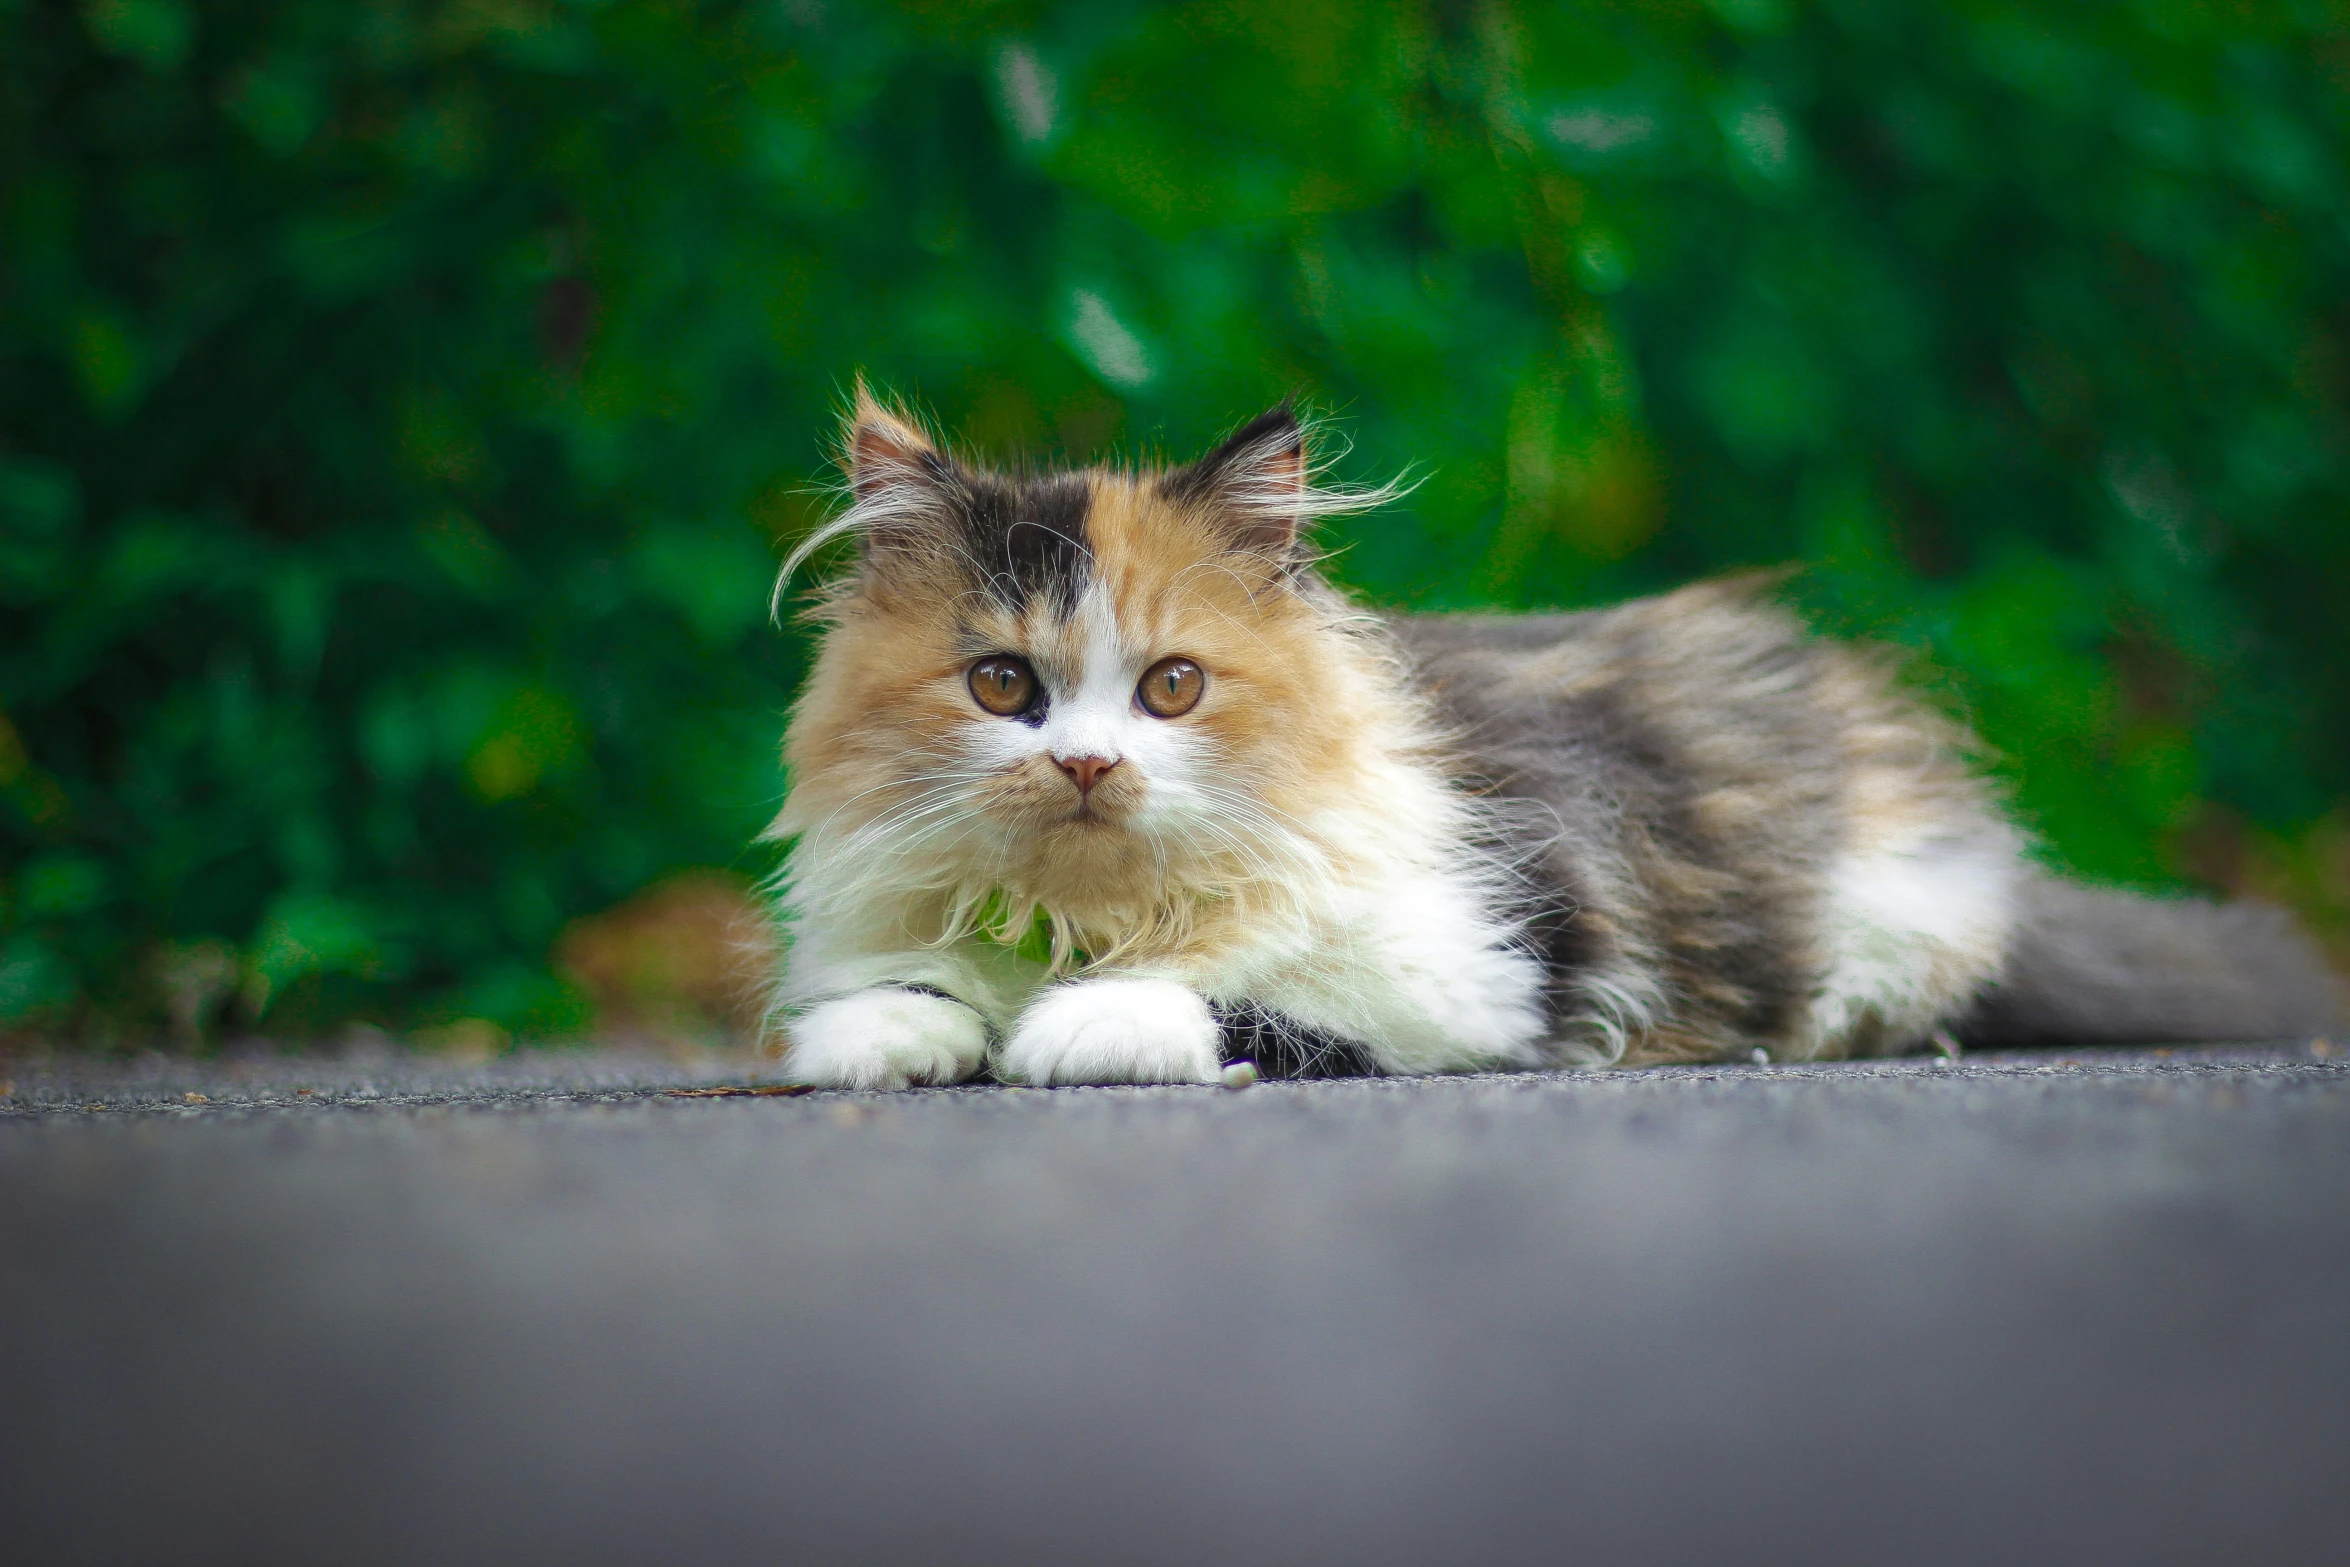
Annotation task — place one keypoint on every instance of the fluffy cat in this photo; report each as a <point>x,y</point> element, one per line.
<point>1096,780</point>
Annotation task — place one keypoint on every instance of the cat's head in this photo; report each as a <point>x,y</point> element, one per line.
<point>1067,682</point>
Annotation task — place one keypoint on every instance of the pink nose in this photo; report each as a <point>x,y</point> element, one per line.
<point>1086,771</point>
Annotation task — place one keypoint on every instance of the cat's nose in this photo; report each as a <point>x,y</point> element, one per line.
<point>1085,771</point>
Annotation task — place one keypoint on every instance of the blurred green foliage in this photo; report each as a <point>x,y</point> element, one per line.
<point>402,403</point>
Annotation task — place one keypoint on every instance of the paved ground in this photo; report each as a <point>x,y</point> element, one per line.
<point>2012,1310</point>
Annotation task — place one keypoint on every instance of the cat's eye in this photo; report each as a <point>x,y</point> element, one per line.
<point>1004,685</point>
<point>1171,687</point>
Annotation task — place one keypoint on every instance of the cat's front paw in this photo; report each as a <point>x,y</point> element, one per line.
<point>885,1038</point>
<point>1114,1031</point>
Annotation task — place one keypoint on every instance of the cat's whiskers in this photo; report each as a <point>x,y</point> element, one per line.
<point>1320,889</point>
<point>1287,864</point>
<point>918,780</point>
<point>1299,845</point>
<point>884,833</point>
<point>855,862</point>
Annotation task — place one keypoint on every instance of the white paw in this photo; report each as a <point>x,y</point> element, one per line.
<point>885,1038</point>
<point>1114,1031</point>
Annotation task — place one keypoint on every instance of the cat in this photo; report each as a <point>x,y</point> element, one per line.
<point>1096,779</point>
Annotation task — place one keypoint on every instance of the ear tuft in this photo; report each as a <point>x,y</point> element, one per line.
<point>1256,481</point>
<point>1260,486</point>
<point>883,449</point>
<point>900,484</point>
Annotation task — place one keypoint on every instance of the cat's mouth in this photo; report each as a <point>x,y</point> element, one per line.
<point>1099,814</point>
<point>1041,799</point>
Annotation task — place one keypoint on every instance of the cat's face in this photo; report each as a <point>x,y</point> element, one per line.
<point>1051,680</point>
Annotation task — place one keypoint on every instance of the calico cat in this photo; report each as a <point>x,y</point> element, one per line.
<point>1097,780</point>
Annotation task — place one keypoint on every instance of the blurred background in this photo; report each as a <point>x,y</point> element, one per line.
<point>403,406</point>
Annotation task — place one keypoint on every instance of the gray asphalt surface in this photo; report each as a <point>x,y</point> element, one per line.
<point>2012,1310</point>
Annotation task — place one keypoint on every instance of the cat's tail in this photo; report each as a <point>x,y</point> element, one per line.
<point>2088,965</point>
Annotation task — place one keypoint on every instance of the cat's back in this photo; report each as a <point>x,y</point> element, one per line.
<point>1711,682</point>
<point>1715,780</point>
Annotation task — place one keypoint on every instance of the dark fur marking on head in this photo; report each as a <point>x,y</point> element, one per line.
<point>1027,536</point>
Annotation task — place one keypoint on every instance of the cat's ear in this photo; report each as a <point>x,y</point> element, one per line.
<point>886,454</point>
<point>902,489</point>
<point>1254,484</point>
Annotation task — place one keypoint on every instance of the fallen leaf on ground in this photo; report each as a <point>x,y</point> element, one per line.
<point>746,1091</point>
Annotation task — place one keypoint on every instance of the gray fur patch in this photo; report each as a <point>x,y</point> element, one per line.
<point>1632,727</point>
<point>2090,965</point>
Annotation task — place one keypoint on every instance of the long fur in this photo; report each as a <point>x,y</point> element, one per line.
<point>1680,829</point>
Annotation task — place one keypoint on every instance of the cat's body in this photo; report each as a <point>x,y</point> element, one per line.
<point>1095,781</point>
